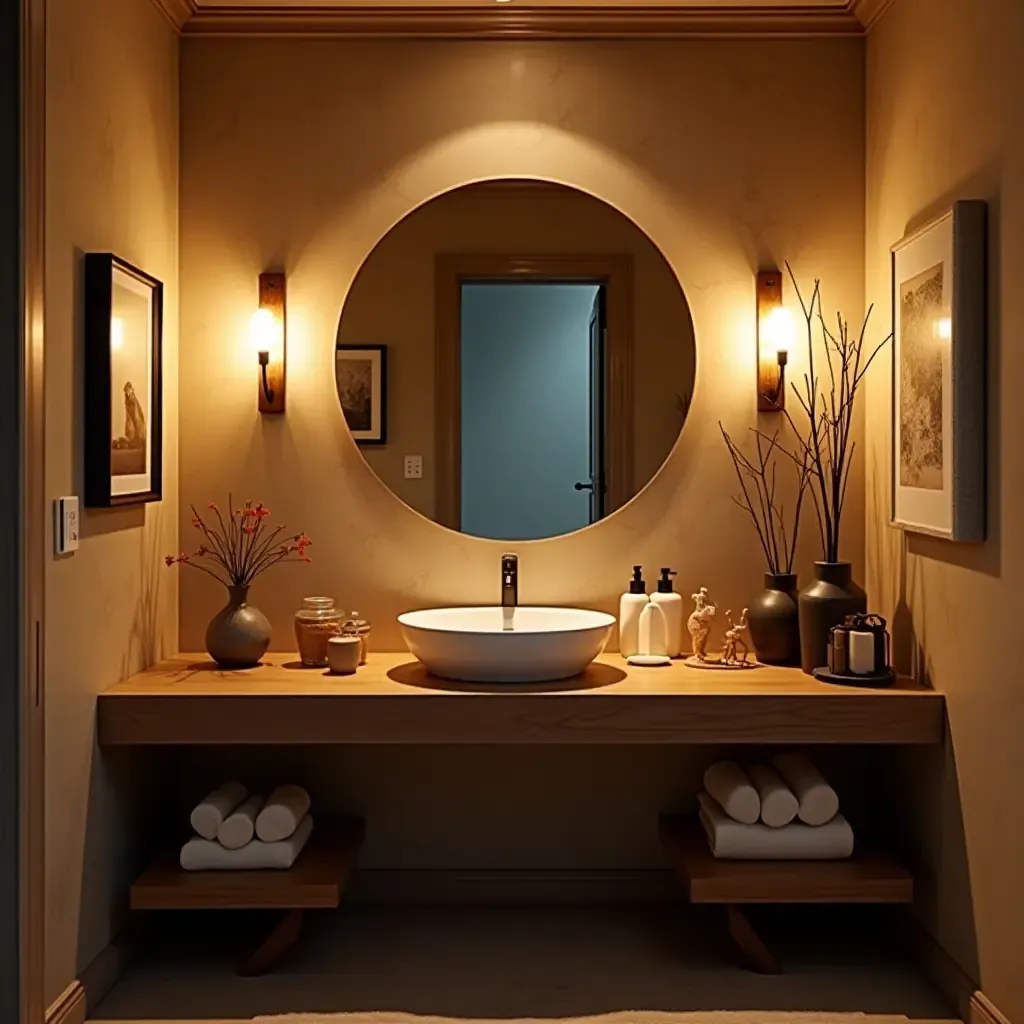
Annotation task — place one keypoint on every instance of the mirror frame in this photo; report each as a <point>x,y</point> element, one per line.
<point>615,272</point>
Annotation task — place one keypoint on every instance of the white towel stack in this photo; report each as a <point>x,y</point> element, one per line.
<point>240,831</point>
<point>783,811</point>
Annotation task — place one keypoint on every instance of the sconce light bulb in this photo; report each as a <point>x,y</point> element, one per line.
<point>778,333</point>
<point>263,330</point>
<point>944,328</point>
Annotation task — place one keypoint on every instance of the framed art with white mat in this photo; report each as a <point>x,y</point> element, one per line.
<point>938,376</point>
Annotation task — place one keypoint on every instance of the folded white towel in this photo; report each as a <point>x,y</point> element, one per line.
<point>778,804</point>
<point>202,855</point>
<point>731,840</point>
<point>728,784</point>
<point>208,815</point>
<point>817,799</point>
<point>281,814</point>
<point>239,826</point>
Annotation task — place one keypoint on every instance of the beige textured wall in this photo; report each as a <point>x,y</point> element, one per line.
<point>303,153</point>
<point>392,302</point>
<point>946,121</point>
<point>111,184</point>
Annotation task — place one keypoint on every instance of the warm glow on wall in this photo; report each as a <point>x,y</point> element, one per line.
<point>267,336</point>
<point>775,336</point>
<point>116,334</point>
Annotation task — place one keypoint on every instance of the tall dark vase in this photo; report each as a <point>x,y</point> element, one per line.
<point>774,620</point>
<point>823,604</point>
<point>239,634</point>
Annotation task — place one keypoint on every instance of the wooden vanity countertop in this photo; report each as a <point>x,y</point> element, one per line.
<point>392,699</point>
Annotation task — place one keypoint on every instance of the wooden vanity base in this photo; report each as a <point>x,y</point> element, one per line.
<point>272,949</point>
<point>752,950</point>
<point>867,877</point>
<point>315,881</point>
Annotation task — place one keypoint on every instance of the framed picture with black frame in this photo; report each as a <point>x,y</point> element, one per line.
<point>361,376</point>
<point>939,299</point>
<point>123,366</point>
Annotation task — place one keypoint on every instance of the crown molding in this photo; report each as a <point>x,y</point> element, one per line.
<point>438,22</point>
<point>869,11</point>
<point>177,12</point>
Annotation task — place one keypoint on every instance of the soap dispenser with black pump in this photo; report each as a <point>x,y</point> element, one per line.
<point>671,605</point>
<point>631,604</point>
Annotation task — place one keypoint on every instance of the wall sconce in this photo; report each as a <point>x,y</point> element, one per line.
<point>268,339</point>
<point>775,334</point>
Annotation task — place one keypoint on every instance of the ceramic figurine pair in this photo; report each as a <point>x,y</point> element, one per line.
<point>699,627</point>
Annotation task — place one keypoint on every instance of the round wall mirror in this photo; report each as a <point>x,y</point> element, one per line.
<point>515,359</point>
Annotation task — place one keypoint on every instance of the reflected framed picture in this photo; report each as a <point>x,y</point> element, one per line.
<point>938,376</point>
<point>123,413</point>
<point>361,374</point>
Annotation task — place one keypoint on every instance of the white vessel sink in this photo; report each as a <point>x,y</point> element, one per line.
<point>506,645</point>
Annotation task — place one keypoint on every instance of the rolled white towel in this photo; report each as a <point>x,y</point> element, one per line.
<point>778,804</point>
<point>731,840</point>
<point>239,826</point>
<point>202,855</point>
<point>728,784</point>
<point>284,810</point>
<point>818,803</point>
<point>208,815</point>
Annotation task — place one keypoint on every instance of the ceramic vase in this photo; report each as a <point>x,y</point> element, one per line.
<point>774,620</point>
<point>823,604</point>
<point>239,634</point>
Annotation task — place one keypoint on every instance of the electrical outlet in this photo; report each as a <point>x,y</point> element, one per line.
<point>414,467</point>
<point>65,525</point>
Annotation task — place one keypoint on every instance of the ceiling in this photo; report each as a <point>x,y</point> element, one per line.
<point>538,19</point>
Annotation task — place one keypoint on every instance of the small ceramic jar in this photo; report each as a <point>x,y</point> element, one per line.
<point>315,623</point>
<point>343,654</point>
<point>355,626</point>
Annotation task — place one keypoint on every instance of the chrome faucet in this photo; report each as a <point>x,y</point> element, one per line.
<point>509,581</point>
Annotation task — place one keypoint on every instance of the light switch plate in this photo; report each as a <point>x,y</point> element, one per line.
<point>414,467</point>
<point>65,525</point>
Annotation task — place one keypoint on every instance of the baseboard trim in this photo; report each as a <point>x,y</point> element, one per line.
<point>379,886</point>
<point>984,1011</point>
<point>68,1007</point>
<point>948,978</point>
<point>106,969</point>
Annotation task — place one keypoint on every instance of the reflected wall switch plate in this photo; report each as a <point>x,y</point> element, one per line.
<point>65,525</point>
<point>414,467</point>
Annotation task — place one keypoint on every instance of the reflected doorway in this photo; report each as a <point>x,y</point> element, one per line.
<point>531,408</point>
<point>534,362</point>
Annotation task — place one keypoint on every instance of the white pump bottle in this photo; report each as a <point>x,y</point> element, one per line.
<point>631,604</point>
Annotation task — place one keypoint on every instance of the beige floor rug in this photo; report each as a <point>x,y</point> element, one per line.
<point>627,1017</point>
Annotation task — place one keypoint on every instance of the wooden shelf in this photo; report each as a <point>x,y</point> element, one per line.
<point>315,881</point>
<point>866,877</point>
<point>392,699</point>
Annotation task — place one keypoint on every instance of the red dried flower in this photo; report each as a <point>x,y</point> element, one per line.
<point>233,563</point>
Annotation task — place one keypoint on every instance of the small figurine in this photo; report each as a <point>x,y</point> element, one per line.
<point>734,639</point>
<point>699,624</point>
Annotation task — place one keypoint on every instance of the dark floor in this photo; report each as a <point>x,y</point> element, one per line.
<point>522,962</point>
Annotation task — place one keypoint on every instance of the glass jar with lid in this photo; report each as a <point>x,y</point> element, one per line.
<point>315,623</point>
